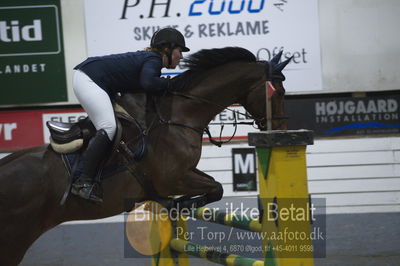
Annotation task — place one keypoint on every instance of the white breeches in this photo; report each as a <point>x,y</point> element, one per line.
<point>96,103</point>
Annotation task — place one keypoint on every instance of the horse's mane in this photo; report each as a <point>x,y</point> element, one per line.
<point>207,59</point>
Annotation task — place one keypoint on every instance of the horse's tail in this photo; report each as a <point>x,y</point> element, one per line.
<point>11,157</point>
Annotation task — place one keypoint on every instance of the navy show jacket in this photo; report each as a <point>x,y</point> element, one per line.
<point>127,72</point>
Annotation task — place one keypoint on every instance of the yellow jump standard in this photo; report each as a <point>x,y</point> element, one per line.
<point>285,209</point>
<point>283,196</point>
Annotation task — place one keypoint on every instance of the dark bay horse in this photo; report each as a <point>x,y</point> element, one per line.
<point>32,181</point>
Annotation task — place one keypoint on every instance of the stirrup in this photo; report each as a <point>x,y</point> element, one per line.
<point>88,191</point>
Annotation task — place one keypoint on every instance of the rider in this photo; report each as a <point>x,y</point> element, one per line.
<point>96,82</point>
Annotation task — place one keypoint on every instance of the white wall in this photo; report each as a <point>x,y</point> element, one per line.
<point>73,22</point>
<point>74,38</point>
<point>360,45</point>
<point>353,175</point>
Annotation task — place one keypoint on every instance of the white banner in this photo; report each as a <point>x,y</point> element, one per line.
<point>262,26</point>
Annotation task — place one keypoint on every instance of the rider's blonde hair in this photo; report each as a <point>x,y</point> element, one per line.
<point>160,51</point>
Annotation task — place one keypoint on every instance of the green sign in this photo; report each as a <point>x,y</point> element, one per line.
<point>32,66</point>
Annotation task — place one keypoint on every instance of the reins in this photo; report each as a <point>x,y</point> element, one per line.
<point>172,123</point>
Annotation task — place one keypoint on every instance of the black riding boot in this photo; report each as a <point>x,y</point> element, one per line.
<point>85,185</point>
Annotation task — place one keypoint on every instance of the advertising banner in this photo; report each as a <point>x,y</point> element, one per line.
<point>262,26</point>
<point>346,116</point>
<point>20,130</point>
<point>25,129</point>
<point>32,68</point>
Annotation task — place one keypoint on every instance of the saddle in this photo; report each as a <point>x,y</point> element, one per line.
<point>66,138</point>
<point>70,137</point>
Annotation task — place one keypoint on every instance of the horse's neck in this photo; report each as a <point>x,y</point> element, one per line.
<point>219,88</point>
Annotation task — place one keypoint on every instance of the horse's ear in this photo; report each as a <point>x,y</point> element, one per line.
<point>282,65</point>
<point>268,70</point>
<point>275,60</point>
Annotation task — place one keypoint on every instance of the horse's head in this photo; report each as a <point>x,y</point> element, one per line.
<point>255,101</point>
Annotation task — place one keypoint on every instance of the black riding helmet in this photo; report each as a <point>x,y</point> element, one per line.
<point>168,36</point>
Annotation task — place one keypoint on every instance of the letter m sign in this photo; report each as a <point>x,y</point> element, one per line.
<point>244,169</point>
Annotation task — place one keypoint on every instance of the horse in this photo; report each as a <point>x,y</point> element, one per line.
<point>33,181</point>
